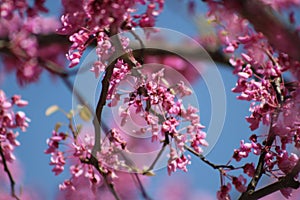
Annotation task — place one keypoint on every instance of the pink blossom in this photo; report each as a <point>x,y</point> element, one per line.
<point>120,71</point>
<point>286,162</point>
<point>9,120</point>
<point>16,99</point>
<point>199,139</point>
<point>223,193</point>
<point>280,5</point>
<point>21,120</point>
<point>53,142</point>
<point>26,55</point>
<point>58,160</point>
<point>243,151</point>
<point>183,90</point>
<point>175,162</point>
<point>249,169</point>
<point>269,160</point>
<point>116,139</point>
<point>239,183</point>
<point>97,68</point>
<point>169,126</point>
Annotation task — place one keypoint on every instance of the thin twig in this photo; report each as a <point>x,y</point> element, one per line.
<point>203,158</point>
<point>141,186</point>
<point>6,169</point>
<point>156,159</point>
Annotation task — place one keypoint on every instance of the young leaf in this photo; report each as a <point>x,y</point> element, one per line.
<point>57,126</point>
<point>149,173</point>
<point>85,114</point>
<point>78,128</point>
<point>52,109</point>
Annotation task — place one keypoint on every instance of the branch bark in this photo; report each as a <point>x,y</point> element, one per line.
<point>204,159</point>
<point>6,169</point>
<point>287,181</point>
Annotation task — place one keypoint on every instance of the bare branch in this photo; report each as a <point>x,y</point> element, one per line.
<point>287,181</point>
<point>6,169</point>
<point>94,162</point>
<point>261,162</point>
<point>141,186</point>
<point>214,166</point>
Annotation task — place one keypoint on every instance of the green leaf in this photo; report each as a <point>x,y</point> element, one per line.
<point>85,114</point>
<point>52,109</point>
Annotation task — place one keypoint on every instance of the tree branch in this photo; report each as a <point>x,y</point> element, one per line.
<point>214,166</point>
<point>6,169</point>
<point>261,162</point>
<point>287,181</point>
<point>104,90</point>
<point>187,52</point>
<point>142,188</point>
<point>94,162</point>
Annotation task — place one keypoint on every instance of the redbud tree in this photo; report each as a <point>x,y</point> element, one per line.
<point>134,107</point>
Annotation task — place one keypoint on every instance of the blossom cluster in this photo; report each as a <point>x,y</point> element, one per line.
<point>10,122</point>
<point>23,52</point>
<point>92,21</point>
<point>260,68</point>
<point>163,112</point>
<point>84,167</point>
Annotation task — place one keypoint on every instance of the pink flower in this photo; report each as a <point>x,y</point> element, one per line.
<point>97,68</point>
<point>53,142</point>
<point>183,90</point>
<point>74,57</point>
<point>269,160</point>
<point>249,169</point>
<point>22,120</point>
<point>286,162</point>
<point>243,151</point>
<point>223,193</point>
<point>120,71</point>
<point>116,139</point>
<point>58,160</point>
<point>199,139</point>
<point>239,183</point>
<point>11,137</point>
<point>9,120</point>
<point>16,99</point>
<point>169,126</point>
<point>175,162</point>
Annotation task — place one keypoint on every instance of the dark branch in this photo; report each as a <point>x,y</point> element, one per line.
<point>287,181</point>
<point>214,166</point>
<point>6,169</point>
<point>141,186</point>
<point>94,162</point>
